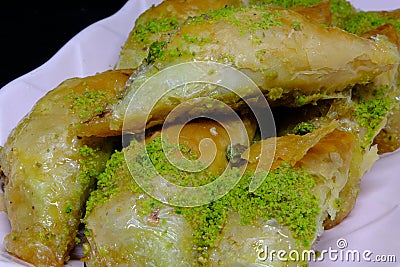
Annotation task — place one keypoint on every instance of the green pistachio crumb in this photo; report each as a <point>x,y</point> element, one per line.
<point>68,209</point>
<point>296,25</point>
<point>103,251</point>
<point>107,181</point>
<point>303,128</point>
<point>155,51</point>
<point>270,19</point>
<point>275,93</point>
<point>90,164</point>
<point>301,100</point>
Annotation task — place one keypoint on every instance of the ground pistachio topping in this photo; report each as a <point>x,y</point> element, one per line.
<point>371,111</point>
<point>107,181</point>
<point>155,51</point>
<point>87,104</point>
<point>362,22</point>
<point>89,164</point>
<point>344,15</point>
<point>267,19</point>
<point>303,128</point>
<point>276,92</point>
<point>144,30</point>
<point>285,196</point>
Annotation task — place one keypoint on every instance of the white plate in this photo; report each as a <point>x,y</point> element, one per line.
<point>372,226</point>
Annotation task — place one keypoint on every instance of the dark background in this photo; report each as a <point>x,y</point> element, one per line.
<point>33,31</point>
